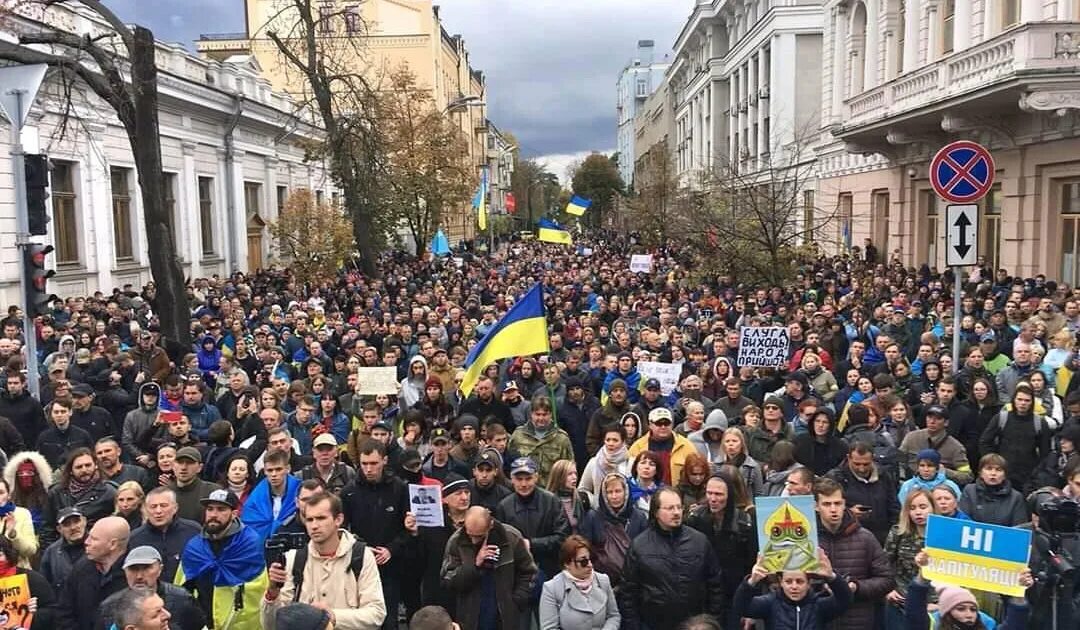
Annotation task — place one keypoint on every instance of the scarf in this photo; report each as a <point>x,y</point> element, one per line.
<point>78,488</point>
<point>259,507</point>
<point>241,560</point>
<point>582,585</point>
<point>606,464</point>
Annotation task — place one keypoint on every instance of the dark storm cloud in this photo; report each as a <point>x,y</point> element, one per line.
<point>551,65</point>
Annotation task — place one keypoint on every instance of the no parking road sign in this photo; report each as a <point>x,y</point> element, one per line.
<point>962,172</point>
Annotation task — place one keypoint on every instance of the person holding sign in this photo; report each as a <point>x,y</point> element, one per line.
<point>957,607</point>
<point>796,606</point>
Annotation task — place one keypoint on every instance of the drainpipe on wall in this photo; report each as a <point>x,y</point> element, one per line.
<point>230,184</point>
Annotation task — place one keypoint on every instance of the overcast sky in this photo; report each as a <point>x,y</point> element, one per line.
<point>551,65</point>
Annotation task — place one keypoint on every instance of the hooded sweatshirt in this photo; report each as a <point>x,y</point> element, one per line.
<point>139,424</point>
<point>412,387</point>
<point>611,531</point>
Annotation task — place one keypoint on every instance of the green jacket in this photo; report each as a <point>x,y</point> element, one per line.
<point>545,451</point>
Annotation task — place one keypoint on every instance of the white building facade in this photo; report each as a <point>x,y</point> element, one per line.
<point>231,154</point>
<point>745,85</point>
<point>637,81</point>
<point>905,77</point>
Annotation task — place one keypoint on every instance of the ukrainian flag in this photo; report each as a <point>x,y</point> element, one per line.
<point>479,202</point>
<point>578,205</point>
<point>522,331</point>
<point>549,231</point>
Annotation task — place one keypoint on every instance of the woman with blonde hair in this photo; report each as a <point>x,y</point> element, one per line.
<point>563,482</point>
<point>906,539</point>
<point>129,502</point>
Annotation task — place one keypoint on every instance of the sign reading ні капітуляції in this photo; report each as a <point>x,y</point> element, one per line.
<point>763,347</point>
<point>976,555</point>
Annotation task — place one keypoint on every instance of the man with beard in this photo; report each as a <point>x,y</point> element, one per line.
<point>224,566</point>
<point>80,485</point>
<point>610,414</point>
<point>107,453</point>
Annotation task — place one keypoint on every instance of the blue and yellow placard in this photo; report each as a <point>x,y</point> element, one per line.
<point>976,555</point>
<point>787,533</point>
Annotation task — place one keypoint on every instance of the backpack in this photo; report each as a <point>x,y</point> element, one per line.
<point>1003,419</point>
<point>356,565</point>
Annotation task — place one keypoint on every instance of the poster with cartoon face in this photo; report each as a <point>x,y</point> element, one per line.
<point>787,533</point>
<point>15,603</point>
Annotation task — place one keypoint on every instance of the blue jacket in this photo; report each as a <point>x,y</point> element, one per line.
<point>201,418</point>
<point>633,384</point>
<point>922,484</point>
<point>780,613</point>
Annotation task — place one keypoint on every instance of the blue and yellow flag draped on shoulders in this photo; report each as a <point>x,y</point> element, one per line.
<point>549,231</point>
<point>522,331</point>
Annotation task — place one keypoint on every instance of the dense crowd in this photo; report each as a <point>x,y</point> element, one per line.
<point>245,483</point>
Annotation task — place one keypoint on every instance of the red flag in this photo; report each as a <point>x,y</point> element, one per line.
<point>511,203</point>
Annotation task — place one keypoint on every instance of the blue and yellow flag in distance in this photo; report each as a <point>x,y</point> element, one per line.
<point>578,205</point>
<point>549,231</point>
<point>480,201</point>
<point>522,331</point>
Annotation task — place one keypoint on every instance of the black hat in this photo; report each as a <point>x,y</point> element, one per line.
<point>225,497</point>
<point>82,389</point>
<point>490,457</point>
<point>302,616</point>
<point>453,483</point>
<point>439,433</point>
<point>937,410</point>
<point>652,383</point>
<point>409,457</point>
<point>467,420</point>
<point>67,513</point>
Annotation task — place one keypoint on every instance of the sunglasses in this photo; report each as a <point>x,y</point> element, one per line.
<point>583,562</point>
<point>771,407</point>
<point>662,423</point>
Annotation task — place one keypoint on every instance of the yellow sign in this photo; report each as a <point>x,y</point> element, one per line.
<point>15,608</point>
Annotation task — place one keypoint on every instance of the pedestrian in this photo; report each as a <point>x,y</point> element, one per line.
<point>578,596</point>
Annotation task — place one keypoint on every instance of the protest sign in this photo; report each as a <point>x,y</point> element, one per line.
<point>426,505</point>
<point>372,381</point>
<point>666,373</point>
<point>787,533</point>
<point>763,347</point>
<point>641,263</point>
<point>15,598</point>
<point>976,555</point>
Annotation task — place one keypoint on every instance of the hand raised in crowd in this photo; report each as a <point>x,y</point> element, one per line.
<point>825,568</point>
<point>487,553</point>
<point>276,575</point>
<point>758,572</point>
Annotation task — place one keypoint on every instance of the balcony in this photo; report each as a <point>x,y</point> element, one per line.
<point>1000,71</point>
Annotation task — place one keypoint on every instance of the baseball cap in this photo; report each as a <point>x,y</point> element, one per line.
<point>325,439</point>
<point>453,483</point>
<point>189,452</point>
<point>660,413</point>
<point>936,410</point>
<point>409,459</point>
<point>141,556</point>
<point>439,434</point>
<point>67,513</point>
<point>511,385</point>
<point>988,336</point>
<point>82,389</point>
<point>652,383</point>
<point>384,425</point>
<point>523,465</point>
<point>489,457</point>
<point>225,497</point>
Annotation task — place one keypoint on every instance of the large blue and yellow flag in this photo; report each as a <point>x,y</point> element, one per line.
<point>549,231</point>
<point>479,202</point>
<point>522,331</point>
<point>578,205</point>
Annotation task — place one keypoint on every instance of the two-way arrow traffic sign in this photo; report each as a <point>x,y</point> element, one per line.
<point>963,225</point>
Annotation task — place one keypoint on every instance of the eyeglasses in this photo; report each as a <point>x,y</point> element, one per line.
<point>583,562</point>
<point>662,423</point>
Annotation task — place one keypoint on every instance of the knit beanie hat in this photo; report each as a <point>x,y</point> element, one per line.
<point>950,597</point>
<point>433,381</point>
<point>302,616</point>
<point>930,455</point>
<point>617,383</point>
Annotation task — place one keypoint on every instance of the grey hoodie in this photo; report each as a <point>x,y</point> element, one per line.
<point>138,422</point>
<point>710,450</point>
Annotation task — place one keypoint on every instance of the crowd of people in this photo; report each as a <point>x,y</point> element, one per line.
<point>246,483</point>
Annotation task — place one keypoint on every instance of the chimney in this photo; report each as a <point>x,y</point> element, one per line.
<point>645,51</point>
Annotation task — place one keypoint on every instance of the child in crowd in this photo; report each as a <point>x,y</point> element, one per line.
<point>929,475</point>
<point>795,606</point>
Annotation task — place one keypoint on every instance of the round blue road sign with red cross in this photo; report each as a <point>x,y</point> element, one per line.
<point>962,172</point>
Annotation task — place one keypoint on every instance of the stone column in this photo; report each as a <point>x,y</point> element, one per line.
<point>962,26</point>
<point>911,35</point>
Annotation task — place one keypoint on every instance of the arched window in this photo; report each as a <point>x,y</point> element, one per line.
<point>857,51</point>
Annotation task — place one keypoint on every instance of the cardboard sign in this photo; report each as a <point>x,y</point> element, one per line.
<point>15,597</point>
<point>425,502</point>
<point>763,347</point>
<point>641,263</point>
<point>787,533</point>
<point>666,373</point>
<point>976,555</point>
<point>372,381</point>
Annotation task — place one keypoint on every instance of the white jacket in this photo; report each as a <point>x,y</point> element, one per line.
<point>357,602</point>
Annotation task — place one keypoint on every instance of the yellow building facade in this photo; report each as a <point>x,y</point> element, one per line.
<point>387,34</point>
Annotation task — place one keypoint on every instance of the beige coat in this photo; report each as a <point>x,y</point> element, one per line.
<point>357,603</point>
<point>22,536</point>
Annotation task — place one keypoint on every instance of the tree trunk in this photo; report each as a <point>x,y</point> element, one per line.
<point>172,305</point>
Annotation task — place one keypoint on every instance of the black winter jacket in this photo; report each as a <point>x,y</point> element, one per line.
<point>53,443</point>
<point>26,413</point>
<point>96,503</point>
<point>375,513</point>
<point>489,497</point>
<point>541,520</point>
<point>58,559</point>
<point>780,613</point>
<point>855,553</point>
<point>1000,505</point>
<point>877,493</point>
<point>820,457</point>
<point>96,421</point>
<point>169,542</point>
<point>669,577</point>
<point>84,592</point>
<point>1020,444</point>
<point>733,538</point>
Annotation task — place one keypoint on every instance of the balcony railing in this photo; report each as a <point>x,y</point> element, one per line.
<point>1040,47</point>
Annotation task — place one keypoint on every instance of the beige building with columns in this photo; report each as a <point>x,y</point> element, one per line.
<point>390,32</point>
<point>902,78</point>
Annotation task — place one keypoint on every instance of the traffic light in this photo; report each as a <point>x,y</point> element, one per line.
<point>38,299</point>
<point>37,184</point>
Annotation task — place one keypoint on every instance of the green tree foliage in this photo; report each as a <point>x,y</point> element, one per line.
<point>598,179</point>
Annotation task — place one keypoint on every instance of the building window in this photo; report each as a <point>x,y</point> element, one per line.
<point>933,226</point>
<point>642,88</point>
<point>1070,232</point>
<point>121,211</point>
<point>326,24</point>
<point>881,223</point>
<point>282,197</point>
<point>206,214</point>
<point>948,32</point>
<point>168,181</point>
<point>847,207</point>
<point>252,193</point>
<point>766,136</point>
<point>809,223</point>
<point>65,224</point>
<point>990,230</point>
<point>353,23</point>
<point>1010,13</point>
<point>857,68</point>
<point>319,197</point>
<point>901,28</point>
